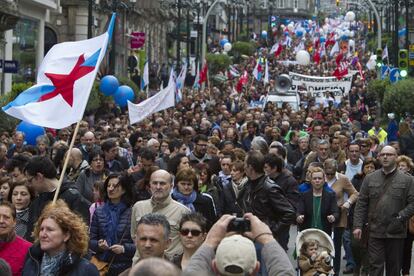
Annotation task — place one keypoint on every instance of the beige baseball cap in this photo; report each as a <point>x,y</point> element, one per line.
<point>236,255</point>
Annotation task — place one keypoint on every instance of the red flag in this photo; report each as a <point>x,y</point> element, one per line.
<point>242,81</point>
<point>341,67</point>
<point>279,50</point>
<point>316,44</point>
<point>203,74</point>
<point>317,56</point>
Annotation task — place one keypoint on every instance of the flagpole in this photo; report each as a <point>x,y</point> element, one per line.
<point>65,164</point>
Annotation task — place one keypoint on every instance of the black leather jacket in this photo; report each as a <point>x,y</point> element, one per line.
<point>266,200</point>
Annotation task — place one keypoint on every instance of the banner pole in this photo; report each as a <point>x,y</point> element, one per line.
<point>65,164</point>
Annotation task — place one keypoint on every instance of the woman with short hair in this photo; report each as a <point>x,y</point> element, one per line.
<point>186,192</point>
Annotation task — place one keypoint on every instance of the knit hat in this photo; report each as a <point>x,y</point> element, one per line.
<point>235,255</point>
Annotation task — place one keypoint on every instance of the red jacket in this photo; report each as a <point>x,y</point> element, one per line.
<point>14,253</point>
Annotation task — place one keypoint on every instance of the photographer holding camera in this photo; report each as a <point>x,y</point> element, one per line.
<point>236,254</point>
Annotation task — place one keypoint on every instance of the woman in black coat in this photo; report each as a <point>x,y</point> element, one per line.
<point>186,192</point>
<point>61,241</point>
<point>110,235</point>
<point>317,207</point>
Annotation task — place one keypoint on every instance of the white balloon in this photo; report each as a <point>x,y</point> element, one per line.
<point>264,33</point>
<point>303,57</point>
<point>227,47</point>
<point>350,16</point>
<point>347,33</point>
<point>310,22</point>
<point>282,27</point>
<point>290,28</point>
<point>351,33</point>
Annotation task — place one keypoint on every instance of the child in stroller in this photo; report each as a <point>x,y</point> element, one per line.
<point>312,261</point>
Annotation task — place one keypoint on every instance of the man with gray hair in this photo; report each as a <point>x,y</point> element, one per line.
<point>162,203</point>
<point>152,238</point>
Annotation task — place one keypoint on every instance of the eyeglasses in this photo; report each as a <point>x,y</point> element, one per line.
<point>194,232</point>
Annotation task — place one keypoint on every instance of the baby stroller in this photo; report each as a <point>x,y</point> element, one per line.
<point>326,250</point>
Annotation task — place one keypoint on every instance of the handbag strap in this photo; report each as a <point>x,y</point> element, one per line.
<point>120,240</point>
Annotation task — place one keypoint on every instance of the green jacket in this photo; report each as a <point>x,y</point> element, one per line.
<point>398,200</point>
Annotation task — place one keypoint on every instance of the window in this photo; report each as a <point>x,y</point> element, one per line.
<point>295,4</point>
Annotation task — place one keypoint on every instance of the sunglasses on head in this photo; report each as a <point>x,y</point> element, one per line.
<point>194,232</point>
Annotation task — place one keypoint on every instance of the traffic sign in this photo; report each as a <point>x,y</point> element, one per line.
<point>395,75</point>
<point>9,66</point>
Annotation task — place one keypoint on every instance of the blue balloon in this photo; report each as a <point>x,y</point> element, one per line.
<point>299,33</point>
<point>223,41</point>
<point>31,132</point>
<point>402,32</point>
<point>123,94</point>
<point>322,39</point>
<point>344,37</point>
<point>286,33</point>
<point>109,85</point>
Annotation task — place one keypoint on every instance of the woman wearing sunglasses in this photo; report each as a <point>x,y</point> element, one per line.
<point>193,231</point>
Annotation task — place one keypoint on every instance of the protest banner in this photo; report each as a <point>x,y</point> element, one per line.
<point>320,87</point>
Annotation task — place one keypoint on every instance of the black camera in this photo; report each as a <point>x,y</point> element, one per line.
<point>239,225</point>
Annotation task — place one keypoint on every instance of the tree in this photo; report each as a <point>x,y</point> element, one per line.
<point>217,62</point>
<point>399,98</point>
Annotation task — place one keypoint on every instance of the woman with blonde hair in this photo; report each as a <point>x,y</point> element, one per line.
<point>61,242</point>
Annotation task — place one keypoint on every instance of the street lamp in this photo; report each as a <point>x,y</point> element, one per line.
<point>205,19</point>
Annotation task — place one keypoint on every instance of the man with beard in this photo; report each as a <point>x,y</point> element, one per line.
<point>199,153</point>
<point>162,203</point>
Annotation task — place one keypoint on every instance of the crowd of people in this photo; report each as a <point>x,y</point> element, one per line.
<point>161,197</point>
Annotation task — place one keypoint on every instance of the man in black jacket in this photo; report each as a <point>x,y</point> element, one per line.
<point>274,168</point>
<point>41,175</point>
<point>265,199</point>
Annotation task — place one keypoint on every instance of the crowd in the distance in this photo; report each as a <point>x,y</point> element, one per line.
<point>161,196</point>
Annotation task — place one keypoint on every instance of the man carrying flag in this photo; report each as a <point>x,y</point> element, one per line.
<point>64,81</point>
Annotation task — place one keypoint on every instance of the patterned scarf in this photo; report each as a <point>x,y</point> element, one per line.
<point>50,265</point>
<point>22,219</point>
<point>186,200</point>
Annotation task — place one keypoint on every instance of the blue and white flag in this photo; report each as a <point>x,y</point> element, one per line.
<point>145,76</point>
<point>64,81</point>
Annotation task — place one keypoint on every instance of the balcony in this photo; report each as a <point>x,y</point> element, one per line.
<point>9,14</point>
